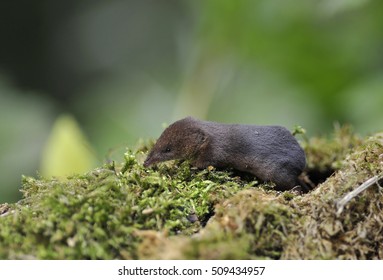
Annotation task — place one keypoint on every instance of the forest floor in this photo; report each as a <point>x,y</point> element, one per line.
<point>125,211</point>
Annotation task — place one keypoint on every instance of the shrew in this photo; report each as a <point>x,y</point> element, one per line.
<point>271,153</point>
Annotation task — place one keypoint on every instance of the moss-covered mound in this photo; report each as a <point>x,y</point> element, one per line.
<point>124,211</point>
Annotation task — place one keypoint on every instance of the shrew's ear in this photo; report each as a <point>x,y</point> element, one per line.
<point>199,135</point>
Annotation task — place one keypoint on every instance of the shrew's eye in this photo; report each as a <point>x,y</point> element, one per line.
<point>167,150</point>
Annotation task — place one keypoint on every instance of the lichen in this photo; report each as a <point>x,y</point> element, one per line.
<point>174,211</point>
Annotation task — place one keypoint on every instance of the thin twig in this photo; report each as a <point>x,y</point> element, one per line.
<point>346,199</point>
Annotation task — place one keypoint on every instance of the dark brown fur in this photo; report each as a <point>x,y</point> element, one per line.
<point>270,153</point>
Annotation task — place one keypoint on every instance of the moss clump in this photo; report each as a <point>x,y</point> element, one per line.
<point>123,211</point>
<point>326,154</point>
<point>358,232</point>
<point>254,221</point>
<point>99,215</point>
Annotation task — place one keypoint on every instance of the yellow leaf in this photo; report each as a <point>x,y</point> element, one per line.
<point>67,151</point>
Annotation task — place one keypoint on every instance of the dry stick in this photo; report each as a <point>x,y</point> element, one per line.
<point>341,203</point>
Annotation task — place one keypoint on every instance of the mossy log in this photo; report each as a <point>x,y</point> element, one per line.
<point>124,211</point>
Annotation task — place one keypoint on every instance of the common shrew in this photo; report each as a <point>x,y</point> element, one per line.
<point>271,153</point>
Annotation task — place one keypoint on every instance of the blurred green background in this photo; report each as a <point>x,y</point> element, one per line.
<point>82,80</point>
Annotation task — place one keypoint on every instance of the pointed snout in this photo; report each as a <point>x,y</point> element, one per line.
<point>150,160</point>
<point>147,162</point>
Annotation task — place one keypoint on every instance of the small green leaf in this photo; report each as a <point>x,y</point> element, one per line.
<point>67,151</point>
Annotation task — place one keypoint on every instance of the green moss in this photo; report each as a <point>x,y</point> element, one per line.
<point>124,211</point>
<point>326,154</point>
<point>358,232</point>
<point>96,215</point>
<point>257,216</point>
